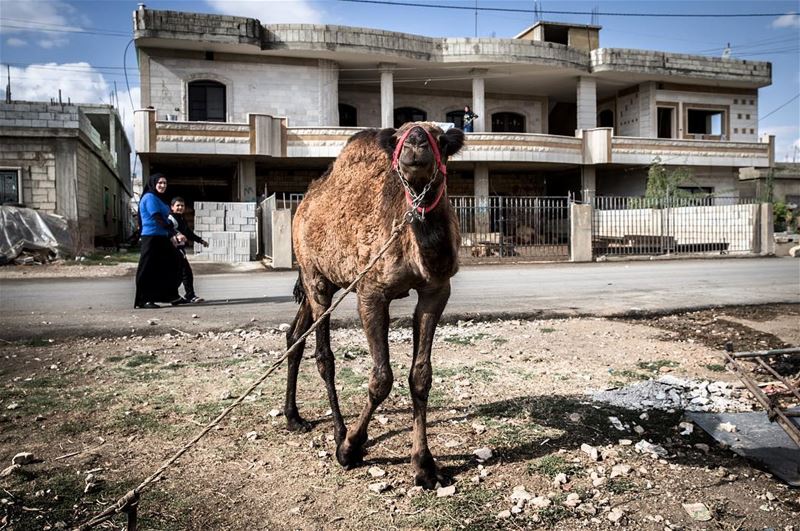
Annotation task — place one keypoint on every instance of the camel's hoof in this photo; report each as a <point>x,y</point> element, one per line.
<point>349,456</point>
<point>298,423</point>
<point>431,479</point>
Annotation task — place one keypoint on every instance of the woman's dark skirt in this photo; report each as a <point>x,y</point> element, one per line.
<point>159,272</point>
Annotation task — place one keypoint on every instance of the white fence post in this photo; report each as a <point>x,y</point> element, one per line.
<point>282,239</point>
<point>767,230</point>
<point>580,233</point>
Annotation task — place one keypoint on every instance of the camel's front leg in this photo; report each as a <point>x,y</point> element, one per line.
<point>374,312</point>
<point>426,316</point>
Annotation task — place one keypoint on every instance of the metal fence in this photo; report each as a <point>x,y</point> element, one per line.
<point>497,227</point>
<point>674,225</point>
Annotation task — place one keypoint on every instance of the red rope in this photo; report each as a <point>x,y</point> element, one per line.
<point>437,156</point>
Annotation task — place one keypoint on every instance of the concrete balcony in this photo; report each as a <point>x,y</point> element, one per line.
<point>269,136</point>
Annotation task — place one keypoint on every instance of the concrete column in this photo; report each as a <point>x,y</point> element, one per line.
<point>328,93</point>
<point>587,102</point>
<point>647,110</point>
<point>580,233</point>
<point>767,230</point>
<point>588,183</point>
<point>387,94</point>
<point>481,183</point>
<point>478,100</point>
<point>282,239</point>
<point>246,171</point>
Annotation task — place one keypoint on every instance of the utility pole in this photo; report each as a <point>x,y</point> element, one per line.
<point>8,85</point>
<point>476,19</point>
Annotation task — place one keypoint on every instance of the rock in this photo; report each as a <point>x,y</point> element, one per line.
<point>625,442</point>
<point>616,423</point>
<point>540,502</point>
<point>275,413</point>
<point>10,470</point>
<point>650,448</point>
<point>727,426</point>
<point>615,515</point>
<point>251,435</point>
<point>560,479</point>
<point>443,492</point>
<point>478,427</point>
<point>12,405</point>
<point>574,417</point>
<point>697,511</point>
<point>686,428</point>
<point>379,487</point>
<point>284,327</point>
<point>22,458</point>
<point>587,508</point>
<point>225,395</point>
<point>383,419</point>
<point>619,470</point>
<point>376,472</point>
<point>520,494</point>
<point>502,515</point>
<point>414,491</point>
<point>702,447</point>
<point>152,322</point>
<point>516,509</point>
<point>573,500</point>
<point>638,429</point>
<point>591,451</point>
<point>483,454</point>
<point>322,454</point>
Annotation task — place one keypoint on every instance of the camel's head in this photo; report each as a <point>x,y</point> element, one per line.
<point>417,148</point>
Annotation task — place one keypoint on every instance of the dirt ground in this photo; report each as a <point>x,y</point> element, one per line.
<point>101,414</point>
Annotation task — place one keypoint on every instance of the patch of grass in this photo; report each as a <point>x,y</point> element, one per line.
<point>547,330</point>
<point>471,509</point>
<point>620,485</point>
<point>629,374</point>
<point>552,514</point>
<point>509,437</point>
<point>715,367</point>
<point>141,359</point>
<point>551,466</point>
<point>655,366</point>
<point>223,363</point>
<point>114,359</point>
<point>466,339</point>
<point>351,352</point>
<point>499,340</point>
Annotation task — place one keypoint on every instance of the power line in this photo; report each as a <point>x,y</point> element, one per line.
<point>762,118</point>
<point>65,29</point>
<point>554,12</point>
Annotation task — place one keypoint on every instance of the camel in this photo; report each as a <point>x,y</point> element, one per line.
<point>345,218</point>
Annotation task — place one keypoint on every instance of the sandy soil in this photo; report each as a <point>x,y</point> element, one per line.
<point>101,414</point>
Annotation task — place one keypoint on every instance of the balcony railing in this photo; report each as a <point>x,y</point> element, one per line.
<point>269,136</point>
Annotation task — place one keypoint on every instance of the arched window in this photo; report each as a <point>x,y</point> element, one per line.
<point>456,117</point>
<point>348,115</point>
<point>605,118</point>
<point>206,101</point>
<point>508,122</point>
<point>408,114</point>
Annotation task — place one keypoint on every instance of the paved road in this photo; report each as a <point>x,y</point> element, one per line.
<point>31,308</point>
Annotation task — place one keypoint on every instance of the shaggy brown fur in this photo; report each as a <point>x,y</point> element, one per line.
<point>344,220</point>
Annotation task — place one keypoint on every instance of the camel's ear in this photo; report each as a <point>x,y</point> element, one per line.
<point>387,140</point>
<point>451,142</point>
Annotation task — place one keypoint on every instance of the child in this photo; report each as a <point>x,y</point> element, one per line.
<point>178,205</point>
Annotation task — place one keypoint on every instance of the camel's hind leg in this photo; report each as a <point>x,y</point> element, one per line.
<point>426,316</point>
<point>374,313</point>
<point>301,323</point>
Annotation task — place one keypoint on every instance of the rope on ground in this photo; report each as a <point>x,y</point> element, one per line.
<point>131,498</point>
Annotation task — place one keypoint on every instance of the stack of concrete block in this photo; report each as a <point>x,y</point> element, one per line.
<point>229,228</point>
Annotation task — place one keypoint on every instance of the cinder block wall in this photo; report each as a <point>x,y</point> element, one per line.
<point>229,228</point>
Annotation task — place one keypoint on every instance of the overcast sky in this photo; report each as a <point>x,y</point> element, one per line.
<point>79,46</point>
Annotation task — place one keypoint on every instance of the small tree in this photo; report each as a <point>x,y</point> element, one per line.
<point>662,182</point>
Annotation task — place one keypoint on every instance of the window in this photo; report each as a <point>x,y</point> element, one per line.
<point>206,101</point>
<point>456,117</point>
<point>508,122</point>
<point>348,115</point>
<point>705,122</point>
<point>666,123</point>
<point>408,114</point>
<point>605,118</point>
<point>9,186</point>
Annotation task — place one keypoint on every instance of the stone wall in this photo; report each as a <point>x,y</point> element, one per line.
<point>36,159</point>
<point>38,114</point>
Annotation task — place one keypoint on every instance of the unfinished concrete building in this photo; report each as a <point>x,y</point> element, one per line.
<point>233,110</point>
<point>72,160</point>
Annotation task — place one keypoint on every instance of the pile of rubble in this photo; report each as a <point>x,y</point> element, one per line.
<point>672,393</point>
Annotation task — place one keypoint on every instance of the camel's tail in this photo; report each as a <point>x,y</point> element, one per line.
<point>299,292</point>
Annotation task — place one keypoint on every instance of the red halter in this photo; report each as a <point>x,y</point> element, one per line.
<point>439,164</point>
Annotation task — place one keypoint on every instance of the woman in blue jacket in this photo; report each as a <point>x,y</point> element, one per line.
<point>158,275</point>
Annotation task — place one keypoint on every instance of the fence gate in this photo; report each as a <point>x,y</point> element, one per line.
<point>675,225</point>
<point>513,228</point>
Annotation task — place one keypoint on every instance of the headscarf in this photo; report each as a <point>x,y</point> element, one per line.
<point>150,187</point>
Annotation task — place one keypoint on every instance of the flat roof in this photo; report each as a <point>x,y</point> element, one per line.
<point>564,24</point>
